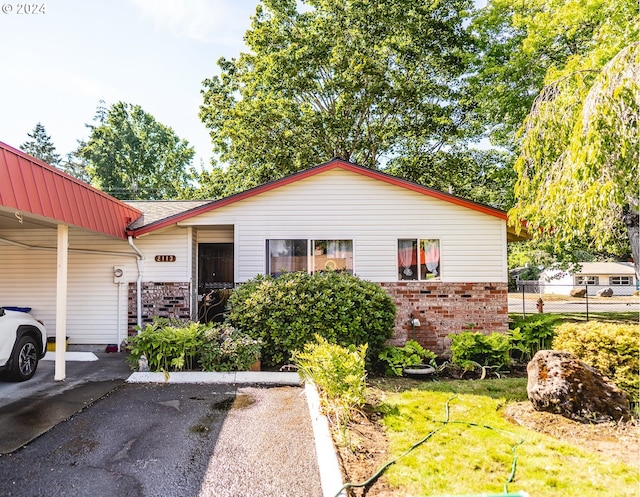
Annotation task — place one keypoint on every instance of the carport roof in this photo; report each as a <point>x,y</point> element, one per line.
<point>31,187</point>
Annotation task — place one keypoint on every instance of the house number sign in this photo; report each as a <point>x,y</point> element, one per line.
<point>165,258</point>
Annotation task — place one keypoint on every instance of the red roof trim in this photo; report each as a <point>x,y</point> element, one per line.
<point>34,187</point>
<point>327,166</point>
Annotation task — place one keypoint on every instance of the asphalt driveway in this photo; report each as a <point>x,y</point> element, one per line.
<point>174,440</point>
<point>105,432</point>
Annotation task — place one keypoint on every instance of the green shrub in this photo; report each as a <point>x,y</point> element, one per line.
<point>398,358</point>
<point>226,349</point>
<point>610,348</point>
<point>284,313</point>
<point>167,345</point>
<point>470,349</point>
<point>176,346</point>
<point>339,374</point>
<point>533,333</point>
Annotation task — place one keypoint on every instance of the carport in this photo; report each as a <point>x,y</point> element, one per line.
<point>35,195</point>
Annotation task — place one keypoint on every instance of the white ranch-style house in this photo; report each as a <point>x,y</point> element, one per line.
<point>593,276</point>
<point>442,258</point>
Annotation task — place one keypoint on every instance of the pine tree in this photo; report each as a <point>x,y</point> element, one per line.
<point>41,147</point>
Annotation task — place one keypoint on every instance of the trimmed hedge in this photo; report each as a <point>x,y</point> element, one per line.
<point>285,313</point>
<point>613,349</point>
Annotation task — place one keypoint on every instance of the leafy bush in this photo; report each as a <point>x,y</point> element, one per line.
<point>176,346</point>
<point>167,345</point>
<point>610,348</point>
<point>398,358</point>
<point>226,349</point>
<point>533,333</point>
<point>338,373</point>
<point>470,349</point>
<point>286,312</point>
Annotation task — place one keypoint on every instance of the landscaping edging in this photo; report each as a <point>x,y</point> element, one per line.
<point>255,377</point>
<point>330,472</point>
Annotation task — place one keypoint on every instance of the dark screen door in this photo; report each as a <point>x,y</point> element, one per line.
<point>215,280</point>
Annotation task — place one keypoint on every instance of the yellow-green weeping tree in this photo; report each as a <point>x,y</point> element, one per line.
<point>578,166</point>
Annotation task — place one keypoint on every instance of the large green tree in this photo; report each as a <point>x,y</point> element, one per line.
<point>578,168</point>
<point>41,146</point>
<point>521,45</point>
<point>130,155</point>
<point>366,80</point>
<point>485,176</point>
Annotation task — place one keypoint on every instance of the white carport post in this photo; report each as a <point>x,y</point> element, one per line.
<point>61,302</point>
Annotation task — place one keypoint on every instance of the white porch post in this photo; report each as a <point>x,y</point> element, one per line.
<point>61,301</point>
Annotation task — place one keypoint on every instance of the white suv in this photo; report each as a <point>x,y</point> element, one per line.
<point>23,342</point>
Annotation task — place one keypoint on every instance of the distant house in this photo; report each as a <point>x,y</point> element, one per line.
<point>442,258</point>
<point>619,276</point>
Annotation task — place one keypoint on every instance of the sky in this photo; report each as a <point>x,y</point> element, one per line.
<point>56,66</point>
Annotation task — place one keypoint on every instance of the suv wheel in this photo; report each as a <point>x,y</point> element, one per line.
<point>24,360</point>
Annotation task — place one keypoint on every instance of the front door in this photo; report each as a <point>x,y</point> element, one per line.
<point>215,280</point>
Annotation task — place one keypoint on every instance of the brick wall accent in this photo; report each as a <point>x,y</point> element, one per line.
<point>446,308</point>
<point>442,308</point>
<point>166,300</point>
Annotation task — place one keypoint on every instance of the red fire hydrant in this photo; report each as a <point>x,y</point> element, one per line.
<point>540,305</point>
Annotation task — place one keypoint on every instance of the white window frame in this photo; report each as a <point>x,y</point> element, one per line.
<point>268,254</point>
<point>310,255</point>
<point>586,279</point>
<point>419,241</point>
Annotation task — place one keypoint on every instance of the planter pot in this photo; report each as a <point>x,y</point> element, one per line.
<point>255,366</point>
<point>419,371</point>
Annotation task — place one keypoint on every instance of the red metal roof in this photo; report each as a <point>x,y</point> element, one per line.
<point>34,187</point>
<point>332,164</point>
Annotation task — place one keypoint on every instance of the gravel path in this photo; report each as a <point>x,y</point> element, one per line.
<point>265,447</point>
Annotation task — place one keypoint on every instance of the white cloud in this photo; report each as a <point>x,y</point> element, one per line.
<point>220,21</point>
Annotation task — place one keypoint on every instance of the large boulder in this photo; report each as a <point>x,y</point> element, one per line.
<point>578,292</point>
<point>605,292</point>
<point>560,383</point>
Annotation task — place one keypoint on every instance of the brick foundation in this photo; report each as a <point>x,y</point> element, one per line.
<point>446,308</point>
<point>166,300</point>
<point>442,308</point>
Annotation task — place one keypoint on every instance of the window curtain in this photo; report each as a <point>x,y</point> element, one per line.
<point>406,256</point>
<point>431,251</point>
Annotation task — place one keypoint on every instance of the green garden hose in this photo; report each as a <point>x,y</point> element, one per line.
<point>384,467</point>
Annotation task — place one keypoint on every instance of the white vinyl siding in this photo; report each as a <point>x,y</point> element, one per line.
<point>28,278</point>
<point>338,204</point>
<point>170,241</point>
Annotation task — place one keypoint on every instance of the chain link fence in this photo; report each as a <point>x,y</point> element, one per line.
<point>532,297</point>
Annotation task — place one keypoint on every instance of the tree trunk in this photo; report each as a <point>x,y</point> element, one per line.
<point>632,222</point>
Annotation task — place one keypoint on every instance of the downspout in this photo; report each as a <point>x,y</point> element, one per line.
<point>140,262</point>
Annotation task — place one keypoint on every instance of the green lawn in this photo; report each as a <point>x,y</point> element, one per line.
<point>474,452</point>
